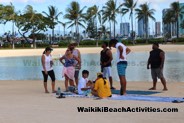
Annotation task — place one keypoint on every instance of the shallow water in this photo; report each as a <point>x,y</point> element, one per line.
<point>29,68</point>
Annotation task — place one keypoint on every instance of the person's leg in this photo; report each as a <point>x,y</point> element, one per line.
<point>122,72</point>
<point>123,85</point>
<point>110,77</point>
<point>162,78</point>
<point>71,82</point>
<point>45,76</point>
<point>154,77</point>
<point>76,75</point>
<point>66,82</point>
<point>52,76</point>
<point>94,93</point>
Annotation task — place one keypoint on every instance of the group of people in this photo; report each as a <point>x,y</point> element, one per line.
<point>101,87</point>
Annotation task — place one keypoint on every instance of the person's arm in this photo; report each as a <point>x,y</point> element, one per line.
<point>43,64</point>
<point>79,59</point>
<point>162,56</point>
<point>148,63</point>
<point>109,54</point>
<point>128,50</point>
<point>61,60</point>
<point>121,52</point>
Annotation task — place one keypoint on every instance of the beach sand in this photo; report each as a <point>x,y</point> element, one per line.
<point>57,51</point>
<point>26,102</point>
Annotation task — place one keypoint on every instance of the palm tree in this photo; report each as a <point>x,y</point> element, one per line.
<point>10,15</point>
<point>110,11</point>
<point>169,19</point>
<point>64,27</point>
<point>144,12</point>
<point>95,14</point>
<point>178,12</point>
<point>75,16</point>
<point>129,7</point>
<point>53,16</point>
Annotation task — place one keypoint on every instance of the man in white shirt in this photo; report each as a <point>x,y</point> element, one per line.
<point>82,85</point>
<point>122,52</point>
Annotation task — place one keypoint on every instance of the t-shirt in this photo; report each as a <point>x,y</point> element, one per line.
<point>82,84</point>
<point>48,60</point>
<point>104,57</point>
<point>155,59</point>
<point>118,52</point>
<point>102,90</point>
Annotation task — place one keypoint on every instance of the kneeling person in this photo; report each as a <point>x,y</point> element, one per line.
<point>101,87</point>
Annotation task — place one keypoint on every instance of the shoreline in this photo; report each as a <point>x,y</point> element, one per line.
<point>86,50</point>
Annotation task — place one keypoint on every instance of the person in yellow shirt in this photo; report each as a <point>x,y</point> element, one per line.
<point>101,87</point>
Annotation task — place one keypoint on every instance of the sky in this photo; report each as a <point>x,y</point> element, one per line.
<point>42,5</point>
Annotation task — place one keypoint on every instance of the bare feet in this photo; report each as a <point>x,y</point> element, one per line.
<point>46,91</point>
<point>165,89</point>
<point>152,88</point>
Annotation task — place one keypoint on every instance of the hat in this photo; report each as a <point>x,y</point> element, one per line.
<point>99,74</point>
<point>48,49</point>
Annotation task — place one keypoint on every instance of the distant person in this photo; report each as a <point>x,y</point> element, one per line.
<point>47,64</point>
<point>122,52</point>
<point>156,60</point>
<point>77,54</point>
<point>83,85</point>
<point>105,62</point>
<point>101,87</point>
<point>69,67</point>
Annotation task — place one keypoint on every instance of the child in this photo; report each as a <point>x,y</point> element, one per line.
<point>84,84</point>
<point>101,87</point>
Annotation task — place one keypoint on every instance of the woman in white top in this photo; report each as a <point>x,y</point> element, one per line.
<point>47,64</point>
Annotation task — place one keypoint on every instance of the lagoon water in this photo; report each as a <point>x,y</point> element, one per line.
<point>29,68</point>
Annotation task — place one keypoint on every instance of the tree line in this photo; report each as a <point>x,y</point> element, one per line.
<point>93,19</point>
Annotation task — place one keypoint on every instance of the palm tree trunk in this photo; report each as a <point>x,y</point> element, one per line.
<point>96,33</point>
<point>146,30</point>
<point>52,39</point>
<point>114,29</point>
<point>110,30</point>
<point>177,27</point>
<point>13,43</point>
<point>132,27</point>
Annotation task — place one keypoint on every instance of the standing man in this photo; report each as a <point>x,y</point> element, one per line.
<point>105,62</point>
<point>122,52</point>
<point>77,54</point>
<point>156,60</point>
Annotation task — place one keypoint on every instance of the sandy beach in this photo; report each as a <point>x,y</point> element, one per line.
<point>57,51</point>
<point>26,102</point>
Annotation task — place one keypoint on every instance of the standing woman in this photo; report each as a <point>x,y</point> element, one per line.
<point>69,67</point>
<point>47,64</point>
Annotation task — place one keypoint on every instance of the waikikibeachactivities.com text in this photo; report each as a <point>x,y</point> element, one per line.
<point>127,109</point>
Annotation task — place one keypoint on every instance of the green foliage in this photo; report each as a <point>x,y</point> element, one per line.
<point>63,44</point>
<point>38,36</point>
<point>42,45</point>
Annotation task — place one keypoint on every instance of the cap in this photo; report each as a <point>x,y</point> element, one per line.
<point>48,49</point>
<point>99,74</point>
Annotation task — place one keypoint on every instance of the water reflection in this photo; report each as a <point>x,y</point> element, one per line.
<point>29,68</point>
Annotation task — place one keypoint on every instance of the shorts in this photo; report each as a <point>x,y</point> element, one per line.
<point>51,74</point>
<point>121,67</point>
<point>107,72</point>
<point>76,75</point>
<point>156,73</point>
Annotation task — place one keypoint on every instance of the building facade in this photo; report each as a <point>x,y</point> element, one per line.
<point>125,29</point>
<point>157,29</point>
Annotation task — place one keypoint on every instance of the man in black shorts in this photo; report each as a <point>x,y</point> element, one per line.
<point>156,60</point>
